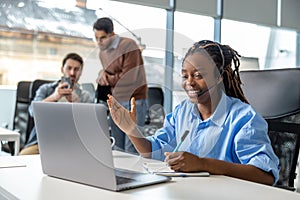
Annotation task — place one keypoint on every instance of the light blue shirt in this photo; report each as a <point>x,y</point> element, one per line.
<point>234,133</point>
<point>114,43</point>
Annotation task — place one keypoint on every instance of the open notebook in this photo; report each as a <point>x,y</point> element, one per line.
<point>161,168</point>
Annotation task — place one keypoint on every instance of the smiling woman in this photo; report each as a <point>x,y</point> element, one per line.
<point>217,116</point>
<point>211,59</point>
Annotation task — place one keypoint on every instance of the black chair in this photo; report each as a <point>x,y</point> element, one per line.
<point>155,113</point>
<point>21,111</point>
<point>34,86</point>
<point>20,115</point>
<point>285,139</point>
<point>275,94</point>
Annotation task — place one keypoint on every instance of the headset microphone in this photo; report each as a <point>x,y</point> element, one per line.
<point>202,92</point>
<point>207,89</point>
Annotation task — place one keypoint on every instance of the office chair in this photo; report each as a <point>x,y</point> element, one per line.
<point>90,88</point>
<point>285,140</point>
<point>275,94</point>
<point>21,112</point>
<point>21,109</point>
<point>155,113</point>
<point>34,86</point>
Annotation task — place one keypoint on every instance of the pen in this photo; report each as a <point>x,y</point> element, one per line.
<point>181,140</point>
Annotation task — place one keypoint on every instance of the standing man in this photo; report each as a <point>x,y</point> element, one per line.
<point>123,70</point>
<point>60,91</point>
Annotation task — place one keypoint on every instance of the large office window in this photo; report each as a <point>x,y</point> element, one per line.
<point>282,49</point>
<point>131,16</point>
<point>188,28</point>
<point>36,35</point>
<point>32,47</point>
<point>193,27</point>
<point>270,47</point>
<point>144,24</point>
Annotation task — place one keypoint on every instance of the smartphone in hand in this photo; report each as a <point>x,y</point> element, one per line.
<point>65,79</point>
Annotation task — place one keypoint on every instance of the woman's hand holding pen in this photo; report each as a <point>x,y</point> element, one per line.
<point>124,119</point>
<point>184,162</point>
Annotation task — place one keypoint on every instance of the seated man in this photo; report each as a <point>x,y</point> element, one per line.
<point>60,91</point>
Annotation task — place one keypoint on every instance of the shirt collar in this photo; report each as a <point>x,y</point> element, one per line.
<point>221,111</point>
<point>219,116</point>
<point>115,42</point>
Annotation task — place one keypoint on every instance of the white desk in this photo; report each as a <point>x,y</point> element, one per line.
<point>10,136</point>
<point>29,183</point>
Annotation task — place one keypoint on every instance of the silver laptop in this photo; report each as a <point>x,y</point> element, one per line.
<point>74,144</point>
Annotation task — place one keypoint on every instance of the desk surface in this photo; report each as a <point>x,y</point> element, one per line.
<point>30,183</point>
<point>5,131</point>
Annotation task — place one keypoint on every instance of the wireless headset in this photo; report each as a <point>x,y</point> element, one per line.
<point>223,63</point>
<point>207,89</point>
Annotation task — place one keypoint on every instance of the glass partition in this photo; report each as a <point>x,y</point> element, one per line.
<point>35,35</point>
<point>272,47</point>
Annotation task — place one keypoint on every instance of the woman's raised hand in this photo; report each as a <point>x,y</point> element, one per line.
<point>124,119</point>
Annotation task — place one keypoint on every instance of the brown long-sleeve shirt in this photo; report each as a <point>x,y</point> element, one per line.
<point>125,67</point>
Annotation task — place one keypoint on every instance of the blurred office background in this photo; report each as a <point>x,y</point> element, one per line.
<point>36,34</point>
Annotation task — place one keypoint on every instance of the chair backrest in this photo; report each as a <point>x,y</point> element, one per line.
<point>90,88</point>
<point>155,114</point>
<point>23,122</point>
<point>34,86</point>
<point>285,139</point>
<point>21,110</point>
<point>155,95</point>
<point>273,93</point>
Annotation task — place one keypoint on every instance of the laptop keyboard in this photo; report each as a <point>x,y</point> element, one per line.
<point>123,180</point>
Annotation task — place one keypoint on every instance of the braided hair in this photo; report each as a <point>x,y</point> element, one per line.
<point>223,56</point>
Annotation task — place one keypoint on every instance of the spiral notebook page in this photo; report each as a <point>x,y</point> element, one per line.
<point>154,167</point>
<point>161,168</point>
